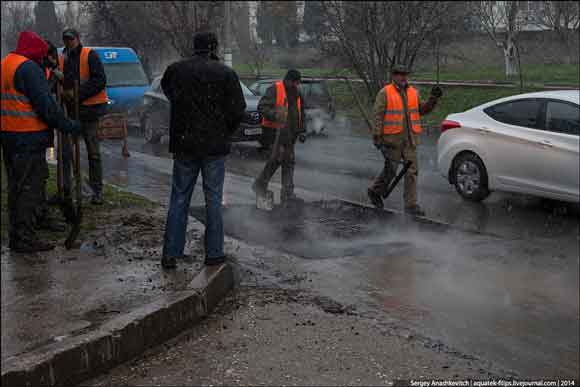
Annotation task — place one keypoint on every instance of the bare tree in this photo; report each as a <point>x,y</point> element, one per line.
<point>500,20</point>
<point>46,23</point>
<point>563,17</point>
<point>258,57</point>
<point>373,35</point>
<point>178,21</point>
<point>16,17</point>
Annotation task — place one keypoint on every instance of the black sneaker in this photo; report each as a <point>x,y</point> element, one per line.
<point>169,262</point>
<point>30,246</point>
<point>415,210</point>
<point>215,261</point>
<point>375,198</point>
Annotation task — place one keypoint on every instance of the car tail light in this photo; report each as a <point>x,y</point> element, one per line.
<point>448,124</point>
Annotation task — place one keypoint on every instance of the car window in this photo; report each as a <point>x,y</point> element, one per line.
<point>245,90</point>
<point>313,89</point>
<point>522,112</point>
<point>563,118</point>
<point>125,74</point>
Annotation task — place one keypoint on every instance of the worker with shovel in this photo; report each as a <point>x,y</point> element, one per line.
<point>397,126</point>
<point>28,111</point>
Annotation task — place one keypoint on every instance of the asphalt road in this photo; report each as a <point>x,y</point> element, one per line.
<point>500,284</point>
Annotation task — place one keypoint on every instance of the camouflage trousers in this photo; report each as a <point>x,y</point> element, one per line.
<point>282,156</point>
<point>394,152</point>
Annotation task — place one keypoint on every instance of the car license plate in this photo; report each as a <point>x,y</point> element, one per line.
<point>252,132</point>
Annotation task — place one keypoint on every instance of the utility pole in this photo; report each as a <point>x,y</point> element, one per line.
<point>227,45</point>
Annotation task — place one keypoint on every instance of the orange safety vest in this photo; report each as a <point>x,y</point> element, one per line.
<point>282,105</point>
<point>394,118</point>
<point>101,96</point>
<point>17,112</point>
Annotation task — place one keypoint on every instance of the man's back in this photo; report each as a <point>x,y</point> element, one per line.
<point>207,106</point>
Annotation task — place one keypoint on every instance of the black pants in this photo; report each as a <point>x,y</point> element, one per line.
<point>26,174</point>
<point>282,156</point>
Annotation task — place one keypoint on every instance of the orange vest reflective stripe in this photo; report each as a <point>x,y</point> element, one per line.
<point>394,118</point>
<point>17,112</point>
<point>282,105</point>
<point>85,74</point>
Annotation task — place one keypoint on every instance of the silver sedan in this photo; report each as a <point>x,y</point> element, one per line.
<point>526,143</point>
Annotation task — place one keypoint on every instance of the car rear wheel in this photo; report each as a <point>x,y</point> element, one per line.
<point>470,177</point>
<point>154,127</point>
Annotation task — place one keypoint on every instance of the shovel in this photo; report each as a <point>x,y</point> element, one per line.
<point>76,224</point>
<point>406,164</point>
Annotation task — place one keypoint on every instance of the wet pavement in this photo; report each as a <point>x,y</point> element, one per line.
<point>49,297</point>
<point>509,295</point>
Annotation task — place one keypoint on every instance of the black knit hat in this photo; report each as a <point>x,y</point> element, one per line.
<point>205,42</point>
<point>293,75</point>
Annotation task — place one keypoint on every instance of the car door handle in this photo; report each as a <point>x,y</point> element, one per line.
<point>546,143</point>
<point>483,130</point>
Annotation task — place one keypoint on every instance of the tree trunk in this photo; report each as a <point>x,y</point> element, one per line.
<point>510,59</point>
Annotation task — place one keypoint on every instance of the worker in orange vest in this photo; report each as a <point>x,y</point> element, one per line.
<point>397,126</point>
<point>282,109</point>
<point>28,113</point>
<point>82,64</point>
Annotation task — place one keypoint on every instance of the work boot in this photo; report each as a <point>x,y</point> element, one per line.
<point>168,262</point>
<point>97,198</point>
<point>414,210</point>
<point>51,224</point>
<point>29,246</point>
<point>375,198</point>
<point>291,200</point>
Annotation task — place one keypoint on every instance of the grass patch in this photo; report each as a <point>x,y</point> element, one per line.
<point>115,199</point>
<point>540,74</point>
<point>537,73</point>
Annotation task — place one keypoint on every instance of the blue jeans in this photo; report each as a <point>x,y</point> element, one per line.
<point>185,173</point>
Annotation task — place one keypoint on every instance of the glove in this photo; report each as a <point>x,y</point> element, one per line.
<point>58,74</point>
<point>302,138</point>
<point>436,92</point>
<point>377,141</point>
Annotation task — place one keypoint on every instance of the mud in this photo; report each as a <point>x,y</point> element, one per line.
<point>63,293</point>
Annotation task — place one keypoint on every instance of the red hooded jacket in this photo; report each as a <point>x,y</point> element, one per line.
<point>31,46</point>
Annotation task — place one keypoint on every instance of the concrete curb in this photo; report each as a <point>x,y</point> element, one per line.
<point>79,358</point>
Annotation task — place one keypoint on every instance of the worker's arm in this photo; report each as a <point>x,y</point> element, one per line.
<point>427,107</point>
<point>97,80</point>
<point>267,104</point>
<point>379,113</point>
<point>31,81</point>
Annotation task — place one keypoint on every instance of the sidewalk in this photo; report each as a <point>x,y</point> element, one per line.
<point>68,315</point>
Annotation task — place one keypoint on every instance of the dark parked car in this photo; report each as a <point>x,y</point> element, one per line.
<point>320,107</point>
<point>155,116</point>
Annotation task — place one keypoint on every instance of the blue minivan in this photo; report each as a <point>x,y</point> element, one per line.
<point>126,79</point>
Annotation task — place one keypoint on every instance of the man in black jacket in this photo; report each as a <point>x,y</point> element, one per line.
<point>84,65</point>
<point>207,106</point>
